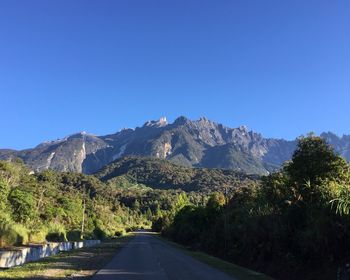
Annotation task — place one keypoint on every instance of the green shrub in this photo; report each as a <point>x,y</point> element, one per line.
<point>120,232</point>
<point>99,233</point>
<point>56,233</point>
<point>23,205</point>
<point>22,234</point>
<point>74,235</point>
<point>8,236</point>
<point>38,235</point>
<point>12,234</point>
<point>4,192</point>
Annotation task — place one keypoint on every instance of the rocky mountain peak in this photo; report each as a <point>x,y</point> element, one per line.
<point>81,134</point>
<point>198,143</point>
<point>181,121</point>
<point>159,123</point>
<point>203,119</point>
<point>204,122</point>
<point>243,128</point>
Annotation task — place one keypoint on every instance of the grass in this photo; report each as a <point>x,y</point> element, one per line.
<point>231,269</point>
<point>81,263</point>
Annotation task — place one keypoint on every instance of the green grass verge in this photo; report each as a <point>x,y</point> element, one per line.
<point>81,263</point>
<point>231,269</point>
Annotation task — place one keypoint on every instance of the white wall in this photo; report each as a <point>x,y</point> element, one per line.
<point>36,252</point>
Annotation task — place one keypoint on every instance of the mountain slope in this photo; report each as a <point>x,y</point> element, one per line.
<point>162,174</point>
<point>231,156</point>
<point>199,143</point>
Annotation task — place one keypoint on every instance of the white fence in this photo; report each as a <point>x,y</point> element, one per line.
<point>36,252</point>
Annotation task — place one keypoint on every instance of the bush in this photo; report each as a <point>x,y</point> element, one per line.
<point>12,234</point>
<point>22,234</point>
<point>74,235</point>
<point>56,233</point>
<point>38,236</point>
<point>8,236</point>
<point>23,205</point>
<point>100,233</point>
<point>161,224</point>
<point>4,192</point>
<point>120,232</point>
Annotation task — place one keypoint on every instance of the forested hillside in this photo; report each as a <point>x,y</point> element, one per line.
<point>162,174</point>
<point>52,206</point>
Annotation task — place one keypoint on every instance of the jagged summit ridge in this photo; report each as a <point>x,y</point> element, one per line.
<point>159,123</point>
<point>197,143</point>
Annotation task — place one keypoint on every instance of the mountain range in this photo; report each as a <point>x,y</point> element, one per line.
<point>193,143</point>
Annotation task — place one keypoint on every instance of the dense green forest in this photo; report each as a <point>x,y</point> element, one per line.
<point>291,224</point>
<point>56,206</point>
<point>294,225</point>
<point>162,174</point>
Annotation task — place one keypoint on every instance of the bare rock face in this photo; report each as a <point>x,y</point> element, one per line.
<point>160,123</point>
<point>199,143</point>
<point>66,154</point>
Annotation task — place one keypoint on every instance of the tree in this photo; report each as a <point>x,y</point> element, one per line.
<point>182,201</point>
<point>4,192</point>
<point>315,173</point>
<point>216,201</point>
<point>72,209</point>
<point>314,160</point>
<point>23,205</point>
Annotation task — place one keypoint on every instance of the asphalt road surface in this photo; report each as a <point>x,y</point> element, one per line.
<point>146,257</point>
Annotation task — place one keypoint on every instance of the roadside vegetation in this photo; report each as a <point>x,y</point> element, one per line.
<point>53,206</point>
<point>231,269</point>
<point>77,264</point>
<point>294,225</point>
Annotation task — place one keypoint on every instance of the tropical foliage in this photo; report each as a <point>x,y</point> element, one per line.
<point>59,206</point>
<point>294,225</point>
<point>162,174</point>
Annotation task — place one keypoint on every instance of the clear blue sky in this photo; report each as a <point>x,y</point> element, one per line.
<point>280,67</point>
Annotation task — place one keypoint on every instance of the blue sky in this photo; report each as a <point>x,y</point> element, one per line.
<point>280,67</point>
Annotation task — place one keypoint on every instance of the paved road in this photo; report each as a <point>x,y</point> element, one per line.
<point>146,257</point>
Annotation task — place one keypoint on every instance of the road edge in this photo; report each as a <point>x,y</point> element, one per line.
<point>229,268</point>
